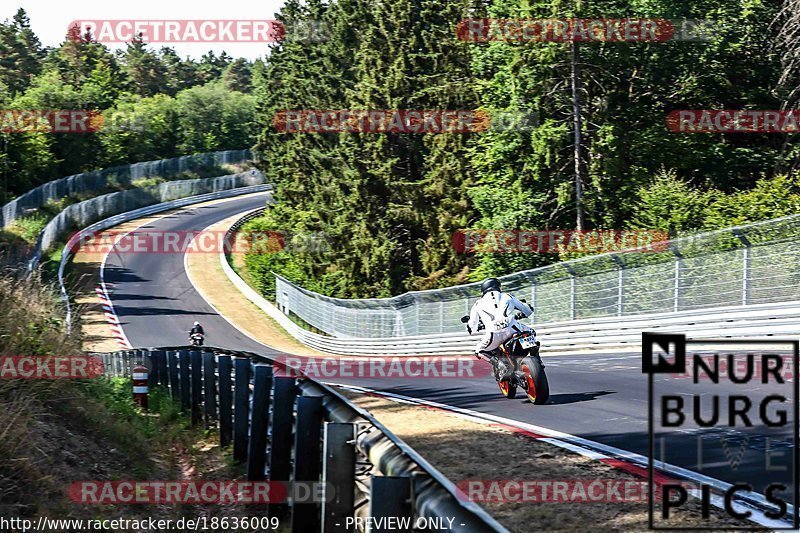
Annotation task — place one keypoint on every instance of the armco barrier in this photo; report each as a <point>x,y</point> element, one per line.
<point>295,430</point>
<point>99,179</point>
<point>132,215</point>
<point>602,333</point>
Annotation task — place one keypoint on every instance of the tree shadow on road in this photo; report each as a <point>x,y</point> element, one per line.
<point>575,397</point>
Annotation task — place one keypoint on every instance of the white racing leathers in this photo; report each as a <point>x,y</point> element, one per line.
<point>496,310</point>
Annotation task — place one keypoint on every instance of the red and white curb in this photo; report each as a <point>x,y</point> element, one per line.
<point>111,316</point>
<point>630,462</point>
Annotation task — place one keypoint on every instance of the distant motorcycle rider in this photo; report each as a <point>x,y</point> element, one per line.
<point>496,311</point>
<point>197,328</point>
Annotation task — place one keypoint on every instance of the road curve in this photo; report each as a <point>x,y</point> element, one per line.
<point>602,398</point>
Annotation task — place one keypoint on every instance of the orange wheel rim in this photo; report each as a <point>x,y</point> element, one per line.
<point>531,384</point>
<point>504,387</point>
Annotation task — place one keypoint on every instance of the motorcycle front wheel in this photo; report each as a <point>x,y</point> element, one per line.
<point>538,389</point>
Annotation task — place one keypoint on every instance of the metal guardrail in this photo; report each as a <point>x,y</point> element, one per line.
<point>244,220</point>
<point>745,266</point>
<point>289,428</point>
<point>98,179</point>
<point>69,248</point>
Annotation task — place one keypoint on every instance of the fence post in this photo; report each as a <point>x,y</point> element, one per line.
<point>172,364</point>
<point>225,400</point>
<point>209,389</point>
<point>390,496</point>
<point>163,377</point>
<point>338,476</point>
<point>305,516</point>
<point>185,384</point>
<point>572,290</point>
<point>745,265</point>
<point>155,368</point>
<point>241,414</point>
<point>746,275</point>
<point>677,283</point>
<point>572,302</point>
<point>620,283</point>
<point>257,450</point>
<point>280,450</point>
<point>441,316</point>
<point>677,304</point>
<point>197,386</point>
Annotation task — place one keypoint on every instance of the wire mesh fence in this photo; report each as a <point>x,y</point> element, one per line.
<point>745,265</point>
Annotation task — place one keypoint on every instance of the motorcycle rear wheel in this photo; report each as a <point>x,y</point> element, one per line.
<point>538,390</point>
<point>508,389</point>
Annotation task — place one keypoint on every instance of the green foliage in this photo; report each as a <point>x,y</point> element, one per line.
<point>387,203</point>
<point>28,228</point>
<point>769,198</point>
<point>117,394</point>
<point>211,117</point>
<point>671,204</point>
<point>154,104</point>
<point>390,203</point>
<point>21,54</point>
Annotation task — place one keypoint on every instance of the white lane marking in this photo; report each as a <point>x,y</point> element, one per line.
<point>111,313</point>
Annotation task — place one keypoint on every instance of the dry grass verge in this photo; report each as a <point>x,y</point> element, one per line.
<point>464,450</point>
<point>57,432</point>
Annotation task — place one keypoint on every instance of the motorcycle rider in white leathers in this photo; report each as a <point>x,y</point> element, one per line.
<point>496,310</point>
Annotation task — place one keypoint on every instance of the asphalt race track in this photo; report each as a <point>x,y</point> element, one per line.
<point>599,397</point>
